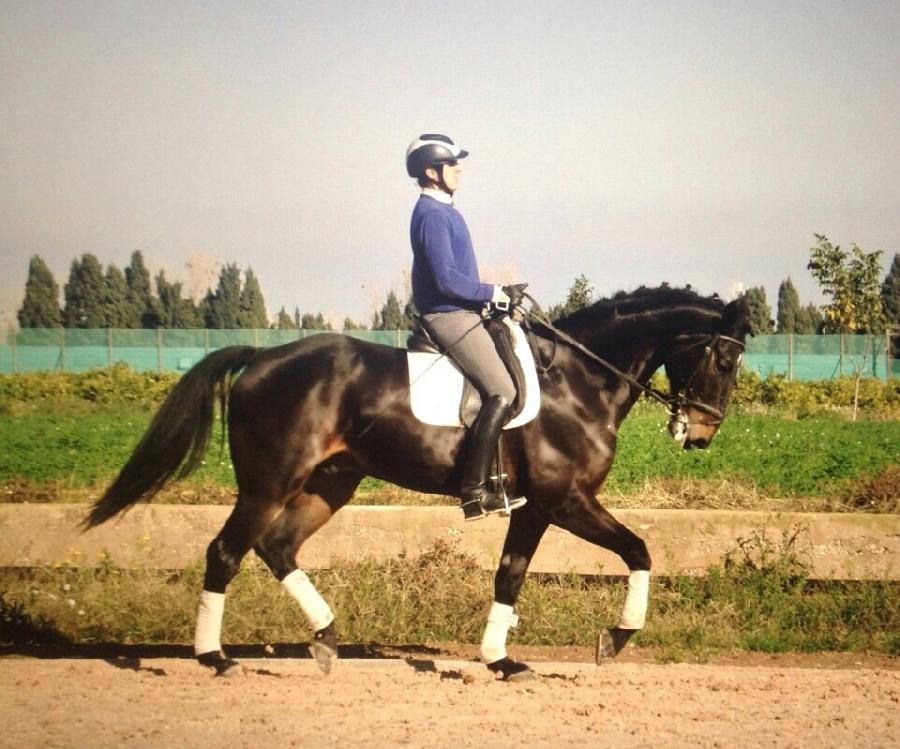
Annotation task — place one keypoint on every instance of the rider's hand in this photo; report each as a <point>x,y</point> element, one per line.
<point>500,300</point>
<point>515,292</point>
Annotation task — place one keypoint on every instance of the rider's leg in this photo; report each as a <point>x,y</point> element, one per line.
<point>472,347</point>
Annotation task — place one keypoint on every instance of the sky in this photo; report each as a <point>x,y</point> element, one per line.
<point>632,143</point>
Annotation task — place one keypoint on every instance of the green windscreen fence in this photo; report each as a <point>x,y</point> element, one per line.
<point>800,357</point>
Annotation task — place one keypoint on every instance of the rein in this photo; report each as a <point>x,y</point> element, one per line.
<point>673,403</point>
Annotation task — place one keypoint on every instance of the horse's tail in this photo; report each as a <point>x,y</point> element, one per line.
<point>176,440</point>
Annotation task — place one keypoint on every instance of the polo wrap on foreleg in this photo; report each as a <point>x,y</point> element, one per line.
<point>493,644</point>
<point>634,612</point>
<point>207,635</point>
<point>298,584</point>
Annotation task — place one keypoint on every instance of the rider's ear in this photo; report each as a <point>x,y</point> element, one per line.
<point>736,318</point>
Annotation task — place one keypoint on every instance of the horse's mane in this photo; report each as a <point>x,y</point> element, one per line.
<point>646,305</point>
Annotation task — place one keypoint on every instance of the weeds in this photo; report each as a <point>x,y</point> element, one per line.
<point>758,598</point>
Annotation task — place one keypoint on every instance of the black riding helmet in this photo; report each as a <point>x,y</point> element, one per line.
<point>431,150</point>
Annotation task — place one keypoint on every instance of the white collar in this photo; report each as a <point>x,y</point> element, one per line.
<point>438,195</point>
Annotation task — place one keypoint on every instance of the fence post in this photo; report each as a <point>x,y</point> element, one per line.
<point>790,357</point>
<point>841,357</point>
<point>15,335</point>
<point>62,349</point>
<point>887,354</point>
<point>109,347</point>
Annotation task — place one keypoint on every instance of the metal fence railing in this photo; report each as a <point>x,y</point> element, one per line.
<point>800,357</point>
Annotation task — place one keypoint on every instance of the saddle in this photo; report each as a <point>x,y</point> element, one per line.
<point>441,395</point>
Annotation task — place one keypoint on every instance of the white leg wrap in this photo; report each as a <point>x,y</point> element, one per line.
<point>317,611</point>
<point>634,613</point>
<point>493,644</point>
<point>207,635</point>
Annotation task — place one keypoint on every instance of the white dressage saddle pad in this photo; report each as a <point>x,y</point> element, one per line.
<point>436,385</point>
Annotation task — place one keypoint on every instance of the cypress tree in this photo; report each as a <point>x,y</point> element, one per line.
<point>390,317</point>
<point>788,307</point>
<point>175,311</point>
<point>116,307</point>
<point>40,308</point>
<point>809,320</point>
<point>223,308</point>
<point>253,306</point>
<point>761,322</point>
<point>145,309</point>
<point>284,321</point>
<point>84,294</point>
<point>890,293</point>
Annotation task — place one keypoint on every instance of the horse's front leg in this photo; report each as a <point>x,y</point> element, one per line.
<point>583,516</point>
<point>526,527</point>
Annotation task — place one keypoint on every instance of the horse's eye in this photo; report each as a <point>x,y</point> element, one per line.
<point>724,365</point>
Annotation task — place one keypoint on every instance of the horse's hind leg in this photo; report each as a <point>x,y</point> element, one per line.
<point>244,526</point>
<point>321,497</point>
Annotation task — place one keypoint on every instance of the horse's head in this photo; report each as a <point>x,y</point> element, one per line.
<point>702,370</point>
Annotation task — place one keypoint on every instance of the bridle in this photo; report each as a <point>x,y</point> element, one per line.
<point>676,403</point>
<point>681,400</point>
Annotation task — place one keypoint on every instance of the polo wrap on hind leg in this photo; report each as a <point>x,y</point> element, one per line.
<point>298,584</point>
<point>634,612</point>
<point>493,643</point>
<point>208,633</point>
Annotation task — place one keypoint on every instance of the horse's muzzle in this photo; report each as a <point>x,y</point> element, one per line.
<point>690,429</point>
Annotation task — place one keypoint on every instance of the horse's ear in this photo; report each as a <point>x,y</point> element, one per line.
<point>736,318</point>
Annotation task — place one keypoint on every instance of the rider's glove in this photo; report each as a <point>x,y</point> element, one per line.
<point>500,300</point>
<point>516,293</point>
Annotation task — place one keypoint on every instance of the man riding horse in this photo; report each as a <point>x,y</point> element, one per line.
<point>450,296</point>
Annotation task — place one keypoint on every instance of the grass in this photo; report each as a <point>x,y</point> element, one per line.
<point>758,599</point>
<point>50,452</point>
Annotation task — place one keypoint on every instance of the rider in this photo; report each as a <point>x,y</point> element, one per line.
<point>449,295</point>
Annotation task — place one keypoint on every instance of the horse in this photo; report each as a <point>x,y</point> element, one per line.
<point>307,421</point>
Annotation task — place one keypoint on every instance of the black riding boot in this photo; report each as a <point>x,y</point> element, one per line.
<point>477,500</point>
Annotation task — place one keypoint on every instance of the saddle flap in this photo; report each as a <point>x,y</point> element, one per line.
<point>439,394</point>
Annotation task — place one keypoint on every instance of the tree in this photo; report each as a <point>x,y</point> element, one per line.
<point>145,310</point>
<point>40,308</point>
<point>351,325</point>
<point>314,322</point>
<point>84,294</point>
<point>580,294</point>
<point>851,280</point>
<point>809,320</point>
<point>890,293</point>
<point>788,307</point>
<point>223,308</point>
<point>253,306</point>
<point>391,317</point>
<point>116,307</point>
<point>284,321</point>
<point>761,322</point>
<point>175,311</point>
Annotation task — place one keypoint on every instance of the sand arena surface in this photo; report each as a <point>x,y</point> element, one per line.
<point>172,702</point>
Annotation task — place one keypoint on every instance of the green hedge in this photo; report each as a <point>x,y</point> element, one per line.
<point>119,383</point>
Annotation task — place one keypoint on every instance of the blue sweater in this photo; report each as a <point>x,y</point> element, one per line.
<point>445,272</point>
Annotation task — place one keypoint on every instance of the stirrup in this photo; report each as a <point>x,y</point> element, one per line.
<point>472,509</point>
<point>493,503</point>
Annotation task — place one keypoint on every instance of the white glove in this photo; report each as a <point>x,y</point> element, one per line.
<point>500,299</point>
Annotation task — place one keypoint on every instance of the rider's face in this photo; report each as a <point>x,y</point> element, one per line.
<point>451,176</point>
<point>450,173</point>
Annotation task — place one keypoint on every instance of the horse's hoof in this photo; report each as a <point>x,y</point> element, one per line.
<point>610,643</point>
<point>222,665</point>
<point>509,670</point>
<point>324,648</point>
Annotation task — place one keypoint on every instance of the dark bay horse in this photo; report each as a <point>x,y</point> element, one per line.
<point>308,420</point>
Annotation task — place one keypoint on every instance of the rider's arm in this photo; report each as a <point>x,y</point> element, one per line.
<point>454,269</point>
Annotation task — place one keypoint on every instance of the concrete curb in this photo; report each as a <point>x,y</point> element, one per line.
<point>837,546</point>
